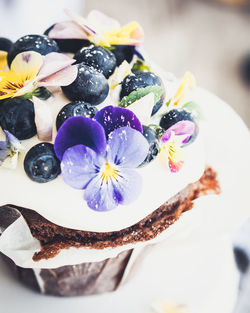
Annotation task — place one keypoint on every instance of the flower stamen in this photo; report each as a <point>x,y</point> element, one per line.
<point>109,173</point>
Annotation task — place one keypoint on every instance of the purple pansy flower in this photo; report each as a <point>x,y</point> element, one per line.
<point>100,156</point>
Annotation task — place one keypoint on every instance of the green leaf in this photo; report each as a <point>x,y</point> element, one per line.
<point>42,93</point>
<point>168,103</point>
<point>158,130</point>
<point>139,93</point>
<point>109,48</point>
<point>140,66</point>
<point>194,108</point>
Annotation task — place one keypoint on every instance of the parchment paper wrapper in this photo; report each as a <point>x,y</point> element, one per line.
<point>77,280</point>
<point>70,280</point>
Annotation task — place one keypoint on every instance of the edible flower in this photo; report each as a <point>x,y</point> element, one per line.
<point>99,29</point>
<point>9,150</point>
<point>172,143</point>
<point>30,70</point>
<point>3,60</point>
<point>183,91</point>
<point>100,156</point>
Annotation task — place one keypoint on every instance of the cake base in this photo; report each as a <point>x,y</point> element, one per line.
<point>75,280</point>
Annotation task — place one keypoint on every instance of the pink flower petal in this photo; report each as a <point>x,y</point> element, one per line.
<point>101,22</point>
<point>67,30</point>
<point>43,120</point>
<point>183,128</point>
<point>175,167</point>
<point>79,20</point>
<point>54,62</point>
<point>63,77</point>
<point>138,35</point>
<point>166,136</point>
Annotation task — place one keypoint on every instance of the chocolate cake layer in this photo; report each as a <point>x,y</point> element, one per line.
<point>53,238</point>
<point>75,280</point>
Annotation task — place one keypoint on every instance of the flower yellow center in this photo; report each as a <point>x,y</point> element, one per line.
<point>108,173</point>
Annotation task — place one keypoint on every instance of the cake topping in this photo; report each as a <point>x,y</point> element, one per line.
<point>99,58</point>
<point>41,163</point>
<point>30,70</point>
<point>18,117</point>
<point>89,86</point>
<point>112,118</point>
<point>142,79</point>
<point>98,29</point>
<point>5,45</point>
<point>153,142</point>
<point>172,142</point>
<point>39,43</point>
<point>9,150</point>
<point>75,108</point>
<point>182,93</point>
<point>103,167</point>
<point>174,116</point>
<point>123,70</point>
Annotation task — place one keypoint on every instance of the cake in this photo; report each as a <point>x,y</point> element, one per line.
<point>101,153</point>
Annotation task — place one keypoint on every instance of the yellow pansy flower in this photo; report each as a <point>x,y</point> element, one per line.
<point>23,70</point>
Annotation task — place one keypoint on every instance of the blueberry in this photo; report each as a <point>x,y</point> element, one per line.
<point>141,79</point>
<point>99,58</point>
<point>69,45</point>
<point>76,108</point>
<point>41,163</point>
<point>89,86</point>
<point>175,116</point>
<point>123,52</point>
<point>17,116</point>
<point>5,44</point>
<point>152,139</point>
<point>39,43</point>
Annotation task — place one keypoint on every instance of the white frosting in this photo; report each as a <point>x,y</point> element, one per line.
<point>64,206</point>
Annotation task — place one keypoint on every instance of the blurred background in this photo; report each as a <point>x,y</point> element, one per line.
<point>210,38</point>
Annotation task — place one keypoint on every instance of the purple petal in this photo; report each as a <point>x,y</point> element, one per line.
<point>4,151</point>
<point>67,30</point>
<point>100,196</point>
<point>179,129</point>
<point>63,77</point>
<point>105,196</point>
<point>54,62</point>
<point>79,130</point>
<point>128,187</point>
<point>166,136</point>
<point>112,118</point>
<point>127,147</point>
<point>80,165</point>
